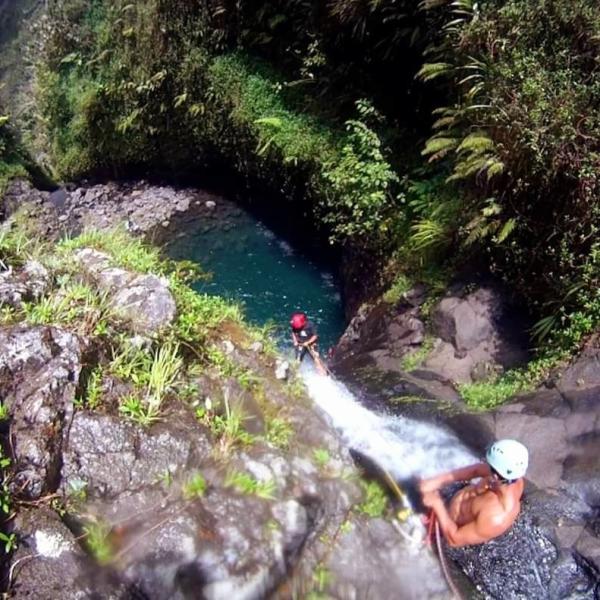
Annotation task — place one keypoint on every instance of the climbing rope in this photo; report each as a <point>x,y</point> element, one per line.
<point>443,561</point>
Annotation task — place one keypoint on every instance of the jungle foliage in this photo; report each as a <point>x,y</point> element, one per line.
<point>331,103</point>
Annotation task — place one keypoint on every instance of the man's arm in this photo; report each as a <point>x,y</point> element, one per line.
<point>463,474</point>
<point>487,524</point>
<point>311,340</point>
<point>295,339</point>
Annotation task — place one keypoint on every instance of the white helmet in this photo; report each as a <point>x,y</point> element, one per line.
<point>509,458</point>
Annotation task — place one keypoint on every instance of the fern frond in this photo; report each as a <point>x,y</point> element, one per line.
<point>274,122</point>
<point>428,233</point>
<point>476,143</point>
<point>444,122</point>
<point>495,168</point>
<point>430,71</point>
<point>544,327</point>
<point>506,230</point>
<point>438,144</point>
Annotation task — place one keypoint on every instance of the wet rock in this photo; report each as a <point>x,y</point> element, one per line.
<point>39,371</point>
<point>210,204</point>
<point>374,560</point>
<point>49,564</point>
<point>371,350</point>
<point>524,563</point>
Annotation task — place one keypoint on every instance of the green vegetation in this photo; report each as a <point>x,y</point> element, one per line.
<point>98,542</point>
<point>12,160</point>
<point>415,358</point>
<point>321,457</point>
<point>300,99</point>
<point>488,394</point>
<point>194,487</point>
<point>246,484</point>
<point>523,136</point>
<point>375,501</point>
<point>279,432</point>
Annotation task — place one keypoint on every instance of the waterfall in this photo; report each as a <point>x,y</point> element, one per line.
<point>404,447</point>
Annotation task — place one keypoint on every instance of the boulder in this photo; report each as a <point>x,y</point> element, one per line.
<point>479,334</point>
<point>39,372</point>
<point>144,301</point>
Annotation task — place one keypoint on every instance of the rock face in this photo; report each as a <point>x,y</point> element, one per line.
<point>39,371</point>
<point>471,338</point>
<point>169,506</point>
<point>476,337</point>
<point>143,300</point>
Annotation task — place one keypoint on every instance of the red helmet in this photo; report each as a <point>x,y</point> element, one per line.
<point>298,320</point>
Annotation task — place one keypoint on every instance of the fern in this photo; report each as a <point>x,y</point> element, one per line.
<point>438,147</point>
<point>506,230</point>
<point>428,233</point>
<point>476,142</point>
<point>430,71</point>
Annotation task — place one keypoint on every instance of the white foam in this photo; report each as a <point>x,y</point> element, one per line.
<point>404,447</point>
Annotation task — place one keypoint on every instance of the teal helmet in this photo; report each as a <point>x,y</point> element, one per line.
<point>508,458</point>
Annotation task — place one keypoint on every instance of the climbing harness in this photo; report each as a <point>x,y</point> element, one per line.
<point>433,527</point>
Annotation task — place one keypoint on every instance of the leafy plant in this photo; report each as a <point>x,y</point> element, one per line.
<point>98,542</point>
<point>322,457</point>
<point>93,390</point>
<point>9,540</point>
<point>396,291</point>
<point>194,487</point>
<point>415,358</point>
<point>279,432</point>
<point>375,501</point>
<point>246,484</point>
<point>138,411</point>
<point>164,369</point>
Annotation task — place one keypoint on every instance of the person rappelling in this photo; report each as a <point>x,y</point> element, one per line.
<point>483,510</point>
<point>305,340</point>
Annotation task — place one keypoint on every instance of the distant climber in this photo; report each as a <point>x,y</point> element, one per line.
<point>486,509</point>
<point>305,338</point>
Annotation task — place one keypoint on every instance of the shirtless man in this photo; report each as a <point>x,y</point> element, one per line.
<point>486,509</point>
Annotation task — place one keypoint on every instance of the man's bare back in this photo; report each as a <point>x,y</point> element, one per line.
<point>478,512</point>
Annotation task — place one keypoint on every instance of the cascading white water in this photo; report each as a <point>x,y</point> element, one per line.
<point>404,447</point>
